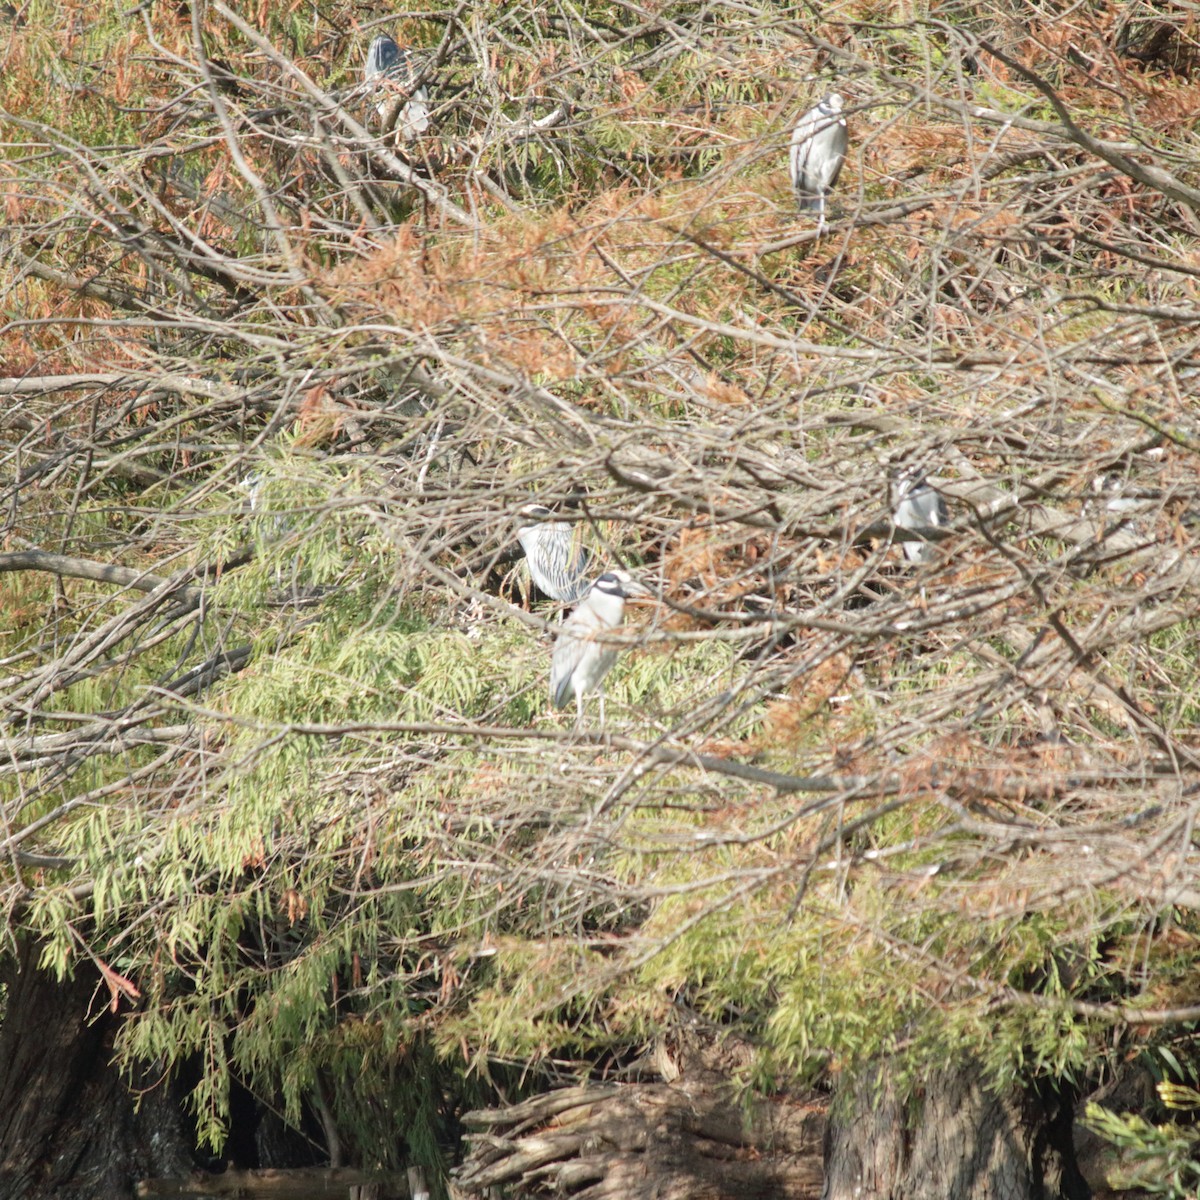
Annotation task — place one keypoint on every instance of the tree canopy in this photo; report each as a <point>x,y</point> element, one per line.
<point>279,762</point>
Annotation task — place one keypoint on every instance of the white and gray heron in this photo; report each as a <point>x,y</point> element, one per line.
<point>580,662</point>
<point>256,504</point>
<point>558,561</point>
<point>251,485</point>
<point>818,151</point>
<point>1109,490</point>
<point>917,507</point>
<point>394,71</point>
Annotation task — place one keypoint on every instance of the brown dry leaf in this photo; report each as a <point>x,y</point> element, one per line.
<point>318,418</point>
<point>450,980</point>
<point>728,748</point>
<point>718,390</point>
<point>117,985</point>
<point>296,905</point>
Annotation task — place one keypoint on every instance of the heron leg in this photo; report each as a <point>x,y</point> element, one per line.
<point>820,213</point>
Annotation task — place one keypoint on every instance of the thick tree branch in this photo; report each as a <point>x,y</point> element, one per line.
<point>83,568</point>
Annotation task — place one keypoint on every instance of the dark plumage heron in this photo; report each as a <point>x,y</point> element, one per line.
<point>917,507</point>
<point>557,559</point>
<point>818,152</point>
<point>394,71</point>
<point>580,663</point>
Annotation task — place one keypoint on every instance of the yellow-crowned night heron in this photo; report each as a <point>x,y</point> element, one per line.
<point>818,151</point>
<point>917,507</point>
<point>394,71</point>
<point>557,560</point>
<point>251,485</point>
<point>256,504</point>
<point>1110,492</point>
<point>580,663</point>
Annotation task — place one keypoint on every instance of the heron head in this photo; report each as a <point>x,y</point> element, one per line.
<point>907,479</point>
<point>382,56</point>
<point>620,583</point>
<point>531,513</point>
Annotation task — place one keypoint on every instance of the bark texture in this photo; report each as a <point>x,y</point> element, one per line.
<point>303,1183</point>
<point>69,1129</point>
<point>690,1139</point>
<point>957,1140</point>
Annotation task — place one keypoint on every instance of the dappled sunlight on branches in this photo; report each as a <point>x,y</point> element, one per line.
<point>277,744</point>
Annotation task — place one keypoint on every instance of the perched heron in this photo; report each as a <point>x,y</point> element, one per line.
<point>557,560</point>
<point>917,507</point>
<point>1110,489</point>
<point>252,485</point>
<point>258,505</point>
<point>580,663</point>
<point>818,151</point>
<point>393,70</point>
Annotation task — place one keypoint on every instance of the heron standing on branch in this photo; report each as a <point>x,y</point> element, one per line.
<point>818,152</point>
<point>918,507</point>
<point>557,560</point>
<point>394,71</point>
<point>580,662</point>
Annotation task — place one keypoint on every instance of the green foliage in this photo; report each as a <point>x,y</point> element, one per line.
<point>1163,1160</point>
<point>369,856</point>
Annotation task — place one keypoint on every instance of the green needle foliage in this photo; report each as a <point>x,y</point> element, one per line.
<point>279,757</point>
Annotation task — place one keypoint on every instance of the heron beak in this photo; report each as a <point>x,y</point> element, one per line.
<point>637,592</point>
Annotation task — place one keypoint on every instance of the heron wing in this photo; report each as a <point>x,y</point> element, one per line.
<point>940,514</point>
<point>568,654</point>
<point>801,137</point>
<point>818,152</point>
<point>580,568</point>
<point>579,662</point>
<point>837,139</point>
<point>414,119</point>
<point>406,70</point>
<point>922,508</point>
<point>558,561</point>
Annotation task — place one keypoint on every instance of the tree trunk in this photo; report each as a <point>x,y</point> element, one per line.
<point>69,1129</point>
<point>957,1139</point>
<point>690,1139</point>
